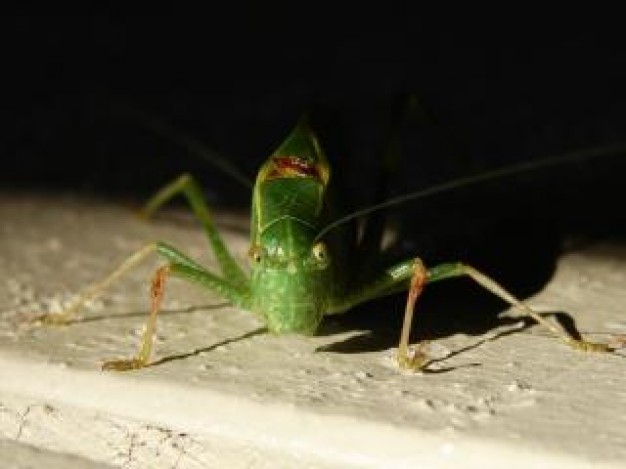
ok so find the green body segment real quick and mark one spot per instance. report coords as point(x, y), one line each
point(291, 271)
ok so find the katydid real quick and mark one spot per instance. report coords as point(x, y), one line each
point(304, 262)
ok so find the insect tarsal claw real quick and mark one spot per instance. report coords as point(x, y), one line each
point(414, 358)
point(49, 319)
point(586, 346)
point(124, 365)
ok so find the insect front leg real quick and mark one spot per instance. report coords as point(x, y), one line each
point(413, 359)
point(411, 273)
point(156, 294)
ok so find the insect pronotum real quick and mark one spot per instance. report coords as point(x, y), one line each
point(305, 263)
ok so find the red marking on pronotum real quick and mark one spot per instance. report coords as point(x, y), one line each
point(292, 166)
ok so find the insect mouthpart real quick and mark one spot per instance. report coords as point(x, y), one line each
point(289, 294)
point(296, 317)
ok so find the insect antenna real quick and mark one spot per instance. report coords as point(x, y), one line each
point(498, 173)
point(184, 139)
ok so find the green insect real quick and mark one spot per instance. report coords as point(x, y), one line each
point(305, 263)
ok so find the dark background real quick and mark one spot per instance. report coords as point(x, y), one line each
point(491, 94)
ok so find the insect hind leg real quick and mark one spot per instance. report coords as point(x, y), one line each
point(187, 186)
point(177, 265)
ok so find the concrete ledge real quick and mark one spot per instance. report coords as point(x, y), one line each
point(21, 456)
point(225, 396)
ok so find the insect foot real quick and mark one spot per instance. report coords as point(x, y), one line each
point(413, 358)
point(586, 346)
point(124, 365)
point(51, 319)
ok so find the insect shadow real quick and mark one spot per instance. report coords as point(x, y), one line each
point(209, 348)
point(142, 313)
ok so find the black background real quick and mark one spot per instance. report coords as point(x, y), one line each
point(492, 94)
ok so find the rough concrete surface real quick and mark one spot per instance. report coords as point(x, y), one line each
point(222, 395)
point(22, 456)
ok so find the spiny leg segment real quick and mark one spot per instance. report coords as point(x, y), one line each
point(405, 359)
point(156, 295)
point(457, 269)
point(186, 185)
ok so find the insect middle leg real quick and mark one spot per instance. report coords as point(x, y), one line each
point(458, 269)
point(413, 271)
point(178, 265)
point(182, 267)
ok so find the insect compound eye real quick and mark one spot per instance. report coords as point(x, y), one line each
point(255, 254)
point(320, 253)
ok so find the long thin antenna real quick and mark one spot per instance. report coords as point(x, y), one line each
point(186, 140)
point(471, 180)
